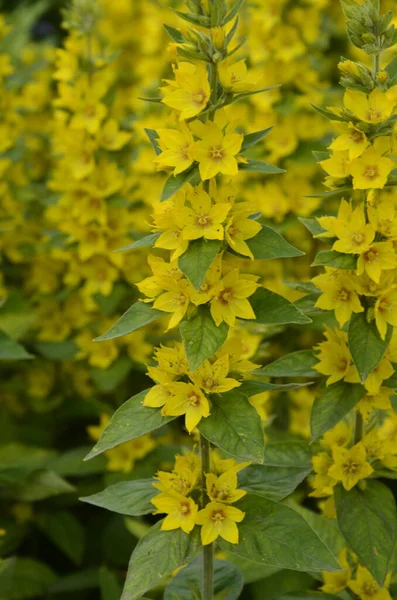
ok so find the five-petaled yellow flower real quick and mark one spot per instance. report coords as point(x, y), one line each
point(219, 520)
point(215, 151)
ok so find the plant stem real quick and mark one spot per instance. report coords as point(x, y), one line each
point(358, 428)
point(208, 551)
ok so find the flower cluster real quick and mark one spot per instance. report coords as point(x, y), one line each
point(180, 492)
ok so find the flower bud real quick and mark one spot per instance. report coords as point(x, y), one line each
point(218, 37)
point(382, 76)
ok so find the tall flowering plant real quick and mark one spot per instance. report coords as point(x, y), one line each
point(201, 289)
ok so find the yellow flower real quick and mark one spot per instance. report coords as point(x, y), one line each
point(224, 487)
point(379, 257)
point(350, 465)
point(190, 91)
point(370, 170)
point(181, 512)
point(340, 435)
point(186, 399)
point(212, 378)
point(215, 152)
point(386, 311)
point(157, 396)
point(204, 219)
point(383, 217)
point(383, 371)
point(334, 583)
point(373, 108)
point(379, 401)
point(236, 78)
point(338, 165)
point(355, 236)
point(174, 300)
point(184, 477)
point(208, 288)
point(219, 520)
point(353, 140)
point(175, 146)
point(339, 294)
point(110, 137)
point(230, 300)
point(366, 588)
point(240, 228)
point(335, 358)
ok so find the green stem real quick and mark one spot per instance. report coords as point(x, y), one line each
point(375, 64)
point(208, 551)
point(214, 94)
point(358, 428)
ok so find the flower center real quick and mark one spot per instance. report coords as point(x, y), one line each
point(358, 238)
point(371, 172)
point(193, 399)
point(217, 517)
point(199, 98)
point(209, 383)
point(180, 299)
point(373, 114)
point(226, 296)
point(343, 295)
point(357, 136)
point(350, 467)
point(370, 589)
point(216, 153)
point(184, 508)
point(204, 220)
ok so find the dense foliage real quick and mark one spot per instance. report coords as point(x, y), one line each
point(178, 289)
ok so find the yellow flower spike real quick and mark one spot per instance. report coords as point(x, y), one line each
point(186, 399)
point(371, 170)
point(181, 512)
point(215, 152)
point(224, 488)
point(366, 588)
point(373, 108)
point(350, 465)
point(219, 520)
point(212, 378)
point(230, 300)
point(190, 92)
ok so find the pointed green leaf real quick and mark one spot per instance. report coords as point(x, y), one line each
point(42, 485)
point(10, 350)
point(328, 114)
point(65, 531)
point(26, 578)
point(201, 337)
point(365, 344)
point(174, 34)
point(130, 421)
point(153, 137)
point(233, 12)
point(109, 584)
point(175, 182)
point(274, 534)
point(268, 244)
point(228, 581)
point(145, 242)
point(335, 402)
point(251, 388)
point(285, 466)
point(336, 260)
point(367, 519)
point(130, 498)
point(156, 556)
point(198, 258)
point(312, 225)
point(337, 193)
point(273, 309)
point(253, 138)
point(137, 316)
point(258, 166)
point(234, 426)
point(296, 364)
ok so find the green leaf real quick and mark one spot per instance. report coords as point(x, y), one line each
point(130, 498)
point(17, 461)
point(65, 531)
point(66, 350)
point(137, 316)
point(27, 578)
point(258, 166)
point(107, 380)
point(198, 258)
point(312, 225)
point(228, 581)
point(285, 466)
point(296, 364)
point(153, 137)
point(268, 244)
point(365, 344)
point(175, 182)
point(71, 463)
point(234, 426)
point(336, 260)
point(109, 585)
point(273, 309)
point(10, 350)
point(274, 534)
point(130, 421)
point(156, 556)
point(233, 12)
point(145, 242)
point(368, 521)
point(307, 596)
point(328, 114)
point(335, 402)
point(253, 138)
point(201, 337)
point(392, 68)
point(86, 579)
point(174, 34)
point(41, 485)
point(337, 193)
